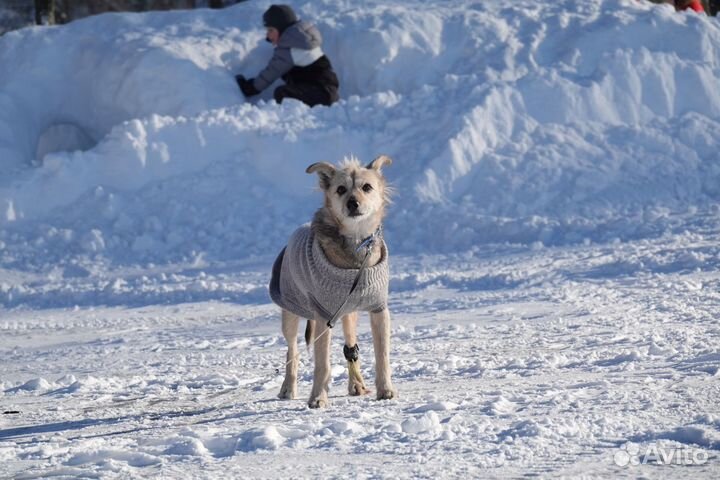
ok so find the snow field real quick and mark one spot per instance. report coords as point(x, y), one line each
point(551, 374)
point(554, 239)
point(523, 124)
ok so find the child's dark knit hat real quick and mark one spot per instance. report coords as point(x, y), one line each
point(280, 17)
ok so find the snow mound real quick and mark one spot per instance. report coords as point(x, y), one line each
point(426, 423)
point(34, 385)
point(124, 135)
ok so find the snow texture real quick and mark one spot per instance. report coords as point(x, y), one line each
point(554, 243)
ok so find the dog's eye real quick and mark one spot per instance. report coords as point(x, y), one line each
point(367, 188)
point(341, 190)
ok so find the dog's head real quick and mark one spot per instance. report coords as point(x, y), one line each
point(354, 194)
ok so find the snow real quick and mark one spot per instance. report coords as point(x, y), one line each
point(554, 238)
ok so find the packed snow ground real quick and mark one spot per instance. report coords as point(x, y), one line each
point(509, 362)
point(554, 242)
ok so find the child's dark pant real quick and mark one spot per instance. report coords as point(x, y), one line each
point(307, 93)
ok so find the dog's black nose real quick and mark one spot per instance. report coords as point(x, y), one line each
point(352, 204)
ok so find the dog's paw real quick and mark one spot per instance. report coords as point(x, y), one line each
point(386, 393)
point(287, 392)
point(356, 389)
point(318, 402)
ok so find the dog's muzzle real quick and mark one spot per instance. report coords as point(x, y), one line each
point(353, 205)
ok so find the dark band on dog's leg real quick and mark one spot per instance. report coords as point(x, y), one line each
point(309, 332)
point(351, 353)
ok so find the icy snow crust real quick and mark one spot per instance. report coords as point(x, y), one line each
point(554, 244)
point(532, 122)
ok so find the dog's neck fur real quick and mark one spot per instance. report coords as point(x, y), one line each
point(340, 245)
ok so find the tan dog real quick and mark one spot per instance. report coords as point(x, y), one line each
point(313, 276)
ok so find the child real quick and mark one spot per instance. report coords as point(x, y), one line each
point(298, 59)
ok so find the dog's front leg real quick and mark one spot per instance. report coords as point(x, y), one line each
point(380, 325)
point(290, 330)
point(356, 385)
point(321, 376)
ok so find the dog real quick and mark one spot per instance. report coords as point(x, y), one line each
point(313, 277)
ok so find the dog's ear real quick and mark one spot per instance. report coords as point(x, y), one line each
point(324, 170)
point(379, 162)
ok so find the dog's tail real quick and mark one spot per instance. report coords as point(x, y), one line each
point(309, 332)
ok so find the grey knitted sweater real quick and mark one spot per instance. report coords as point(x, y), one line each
point(305, 283)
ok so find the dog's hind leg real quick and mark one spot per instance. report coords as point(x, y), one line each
point(356, 384)
point(290, 323)
point(321, 375)
point(380, 325)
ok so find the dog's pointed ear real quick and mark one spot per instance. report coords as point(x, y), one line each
point(379, 162)
point(324, 170)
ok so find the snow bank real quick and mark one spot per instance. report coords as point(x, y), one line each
point(96, 73)
point(125, 136)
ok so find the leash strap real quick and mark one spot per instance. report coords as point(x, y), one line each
point(367, 243)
